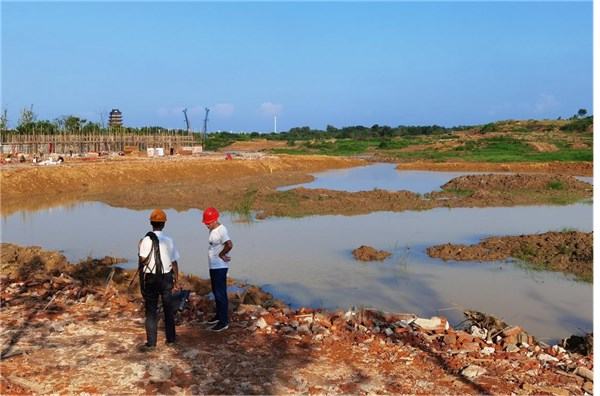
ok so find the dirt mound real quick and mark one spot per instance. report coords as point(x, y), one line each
point(569, 252)
point(255, 145)
point(367, 253)
point(23, 263)
point(565, 168)
point(521, 181)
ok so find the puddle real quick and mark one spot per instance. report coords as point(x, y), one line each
point(308, 261)
point(382, 177)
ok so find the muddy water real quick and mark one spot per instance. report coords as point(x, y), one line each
point(309, 261)
point(382, 177)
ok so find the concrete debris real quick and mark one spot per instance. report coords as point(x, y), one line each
point(473, 371)
point(585, 373)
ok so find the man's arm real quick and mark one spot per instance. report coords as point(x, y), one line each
point(227, 246)
point(175, 274)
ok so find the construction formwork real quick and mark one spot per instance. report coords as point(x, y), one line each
point(83, 143)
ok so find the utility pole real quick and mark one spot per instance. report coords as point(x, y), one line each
point(275, 124)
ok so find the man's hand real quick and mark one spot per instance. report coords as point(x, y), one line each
point(225, 258)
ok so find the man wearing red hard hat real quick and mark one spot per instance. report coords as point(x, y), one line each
point(219, 244)
point(158, 276)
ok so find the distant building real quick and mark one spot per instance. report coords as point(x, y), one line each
point(115, 118)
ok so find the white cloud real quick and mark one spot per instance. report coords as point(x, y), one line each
point(545, 102)
point(224, 110)
point(196, 111)
point(163, 112)
point(270, 109)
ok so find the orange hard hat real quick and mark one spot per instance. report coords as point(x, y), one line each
point(210, 215)
point(158, 216)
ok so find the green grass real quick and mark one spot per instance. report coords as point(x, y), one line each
point(560, 201)
point(556, 185)
point(288, 197)
point(337, 148)
point(499, 149)
point(488, 149)
point(244, 208)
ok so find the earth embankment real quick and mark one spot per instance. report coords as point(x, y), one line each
point(582, 168)
point(196, 181)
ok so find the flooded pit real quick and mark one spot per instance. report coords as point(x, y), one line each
point(308, 261)
point(382, 177)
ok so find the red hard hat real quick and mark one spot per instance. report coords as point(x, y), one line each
point(210, 215)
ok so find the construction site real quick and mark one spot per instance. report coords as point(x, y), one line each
point(82, 144)
point(115, 139)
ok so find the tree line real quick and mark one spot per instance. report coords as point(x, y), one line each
point(28, 123)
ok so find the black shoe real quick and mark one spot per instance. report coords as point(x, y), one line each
point(213, 320)
point(220, 327)
point(146, 348)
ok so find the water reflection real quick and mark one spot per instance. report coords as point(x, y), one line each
point(308, 261)
point(386, 177)
point(380, 176)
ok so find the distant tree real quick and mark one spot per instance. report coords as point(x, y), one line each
point(90, 127)
point(59, 123)
point(581, 113)
point(43, 127)
point(27, 116)
point(74, 124)
point(103, 116)
point(4, 120)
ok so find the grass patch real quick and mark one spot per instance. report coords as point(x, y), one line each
point(556, 185)
point(244, 208)
point(561, 201)
point(567, 230)
point(288, 197)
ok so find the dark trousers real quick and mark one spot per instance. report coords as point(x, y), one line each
point(218, 282)
point(154, 286)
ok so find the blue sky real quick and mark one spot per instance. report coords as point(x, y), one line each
point(307, 63)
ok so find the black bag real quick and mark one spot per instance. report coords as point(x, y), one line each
point(180, 300)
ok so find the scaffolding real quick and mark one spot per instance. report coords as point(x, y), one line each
point(82, 143)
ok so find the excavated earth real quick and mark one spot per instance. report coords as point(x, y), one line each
point(75, 327)
point(570, 252)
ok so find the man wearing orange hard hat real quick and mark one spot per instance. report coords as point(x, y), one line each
point(158, 276)
point(219, 244)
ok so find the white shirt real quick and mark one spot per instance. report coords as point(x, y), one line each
point(216, 240)
point(168, 252)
